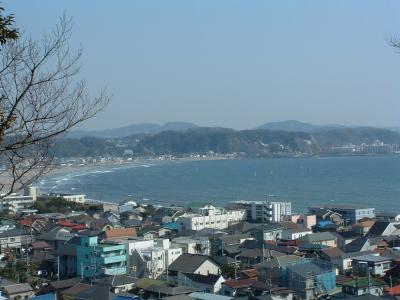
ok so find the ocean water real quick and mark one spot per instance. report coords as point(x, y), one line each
point(370, 181)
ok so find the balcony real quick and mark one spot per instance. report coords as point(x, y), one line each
point(115, 271)
point(112, 259)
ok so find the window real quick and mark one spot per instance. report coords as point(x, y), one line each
point(386, 266)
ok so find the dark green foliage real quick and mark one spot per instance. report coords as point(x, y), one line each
point(59, 205)
point(247, 143)
point(357, 136)
point(228, 271)
point(7, 30)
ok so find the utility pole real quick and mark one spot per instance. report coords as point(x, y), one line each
point(58, 267)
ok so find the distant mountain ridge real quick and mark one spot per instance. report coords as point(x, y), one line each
point(142, 128)
point(297, 126)
point(247, 143)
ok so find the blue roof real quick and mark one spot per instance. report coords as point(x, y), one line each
point(324, 223)
point(121, 297)
point(172, 226)
point(49, 296)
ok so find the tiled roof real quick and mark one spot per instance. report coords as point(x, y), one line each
point(240, 283)
point(120, 233)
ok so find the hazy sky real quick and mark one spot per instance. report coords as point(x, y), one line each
point(233, 63)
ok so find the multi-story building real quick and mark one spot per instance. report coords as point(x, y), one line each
point(350, 214)
point(14, 203)
point(94, 258)
point(211, 217)
point(193, 245)
point(154, 261)
point(268, 211)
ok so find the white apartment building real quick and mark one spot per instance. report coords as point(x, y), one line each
point(211, 217)
point(154, 260)
point(269, 211)
point(193, 245)
point(14, 202)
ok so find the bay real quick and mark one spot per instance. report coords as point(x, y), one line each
point(371, 181)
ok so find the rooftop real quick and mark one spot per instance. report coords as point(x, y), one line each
point(372, 258)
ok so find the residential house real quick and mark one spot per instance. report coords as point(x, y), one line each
point(309, 280)
point(229, 244)
point(322, 238)
point(232, 287)
point(341, 260)
point(15, 239)
point(84, 291)
point(306, 220)
point(267, 232)
point(295, 231)
point(274, 268)
point(194, 264)
point(210, 283)
point(346, 237)
point(376, 265)
point(349, 214)
point(55, 236)
point(363, 285)
point(18, 291)
point(193, 245)
point(56, 287)
point(361, 244)
point(117, 283)
point(363, 226)
point(163, 292)
point(325, 214)
point(384, 228)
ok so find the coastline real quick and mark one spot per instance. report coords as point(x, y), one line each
point(62, 170)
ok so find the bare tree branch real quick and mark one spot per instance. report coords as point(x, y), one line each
point(40, 99)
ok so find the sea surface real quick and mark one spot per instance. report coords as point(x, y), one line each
point(371, 181)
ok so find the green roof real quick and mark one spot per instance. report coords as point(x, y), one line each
point(362, 282)
point(145, 282)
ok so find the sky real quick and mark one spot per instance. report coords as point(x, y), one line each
point(232, 63)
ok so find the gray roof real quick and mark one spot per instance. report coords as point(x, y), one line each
point(378, 228)
point(86, 291)
point(18, 288)
point(206, 296)
point(234, 239)
point(372, 258)
point(355, 254)
point(5, 282)
point(116, 280)
point(188, 263)
point(279, 262)
point(209, 279)
point(66, 283)
point(168, 290)
point(306, 269)
point(357, 244)
point(317, 237)
point(13, 232)
point(56, 233)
